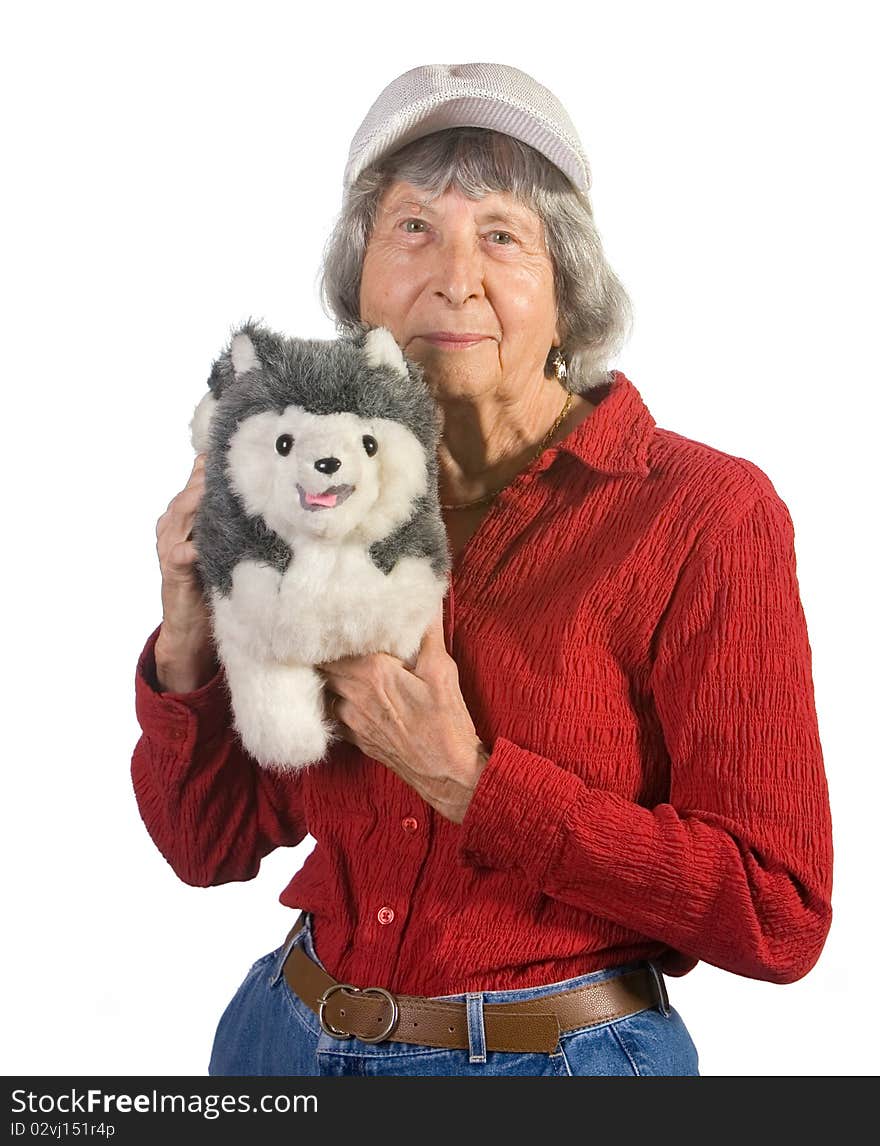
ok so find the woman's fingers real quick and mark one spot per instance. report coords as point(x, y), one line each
point(181, 586)
point(181, 556)
point(185, 656)
point(331, 701)
point(176, 523)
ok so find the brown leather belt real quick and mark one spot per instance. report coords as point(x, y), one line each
point(373, 1014)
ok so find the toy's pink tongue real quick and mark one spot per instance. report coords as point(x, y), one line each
point(321, 499)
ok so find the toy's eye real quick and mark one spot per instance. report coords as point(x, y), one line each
point(370, 445)
point(284, 444)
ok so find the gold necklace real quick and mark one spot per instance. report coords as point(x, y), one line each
point(538, 452)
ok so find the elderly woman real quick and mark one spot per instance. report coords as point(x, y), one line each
point(604, 765)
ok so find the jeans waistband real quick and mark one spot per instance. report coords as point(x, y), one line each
point(305, 937)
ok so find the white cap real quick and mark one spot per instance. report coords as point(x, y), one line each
point(495, 96)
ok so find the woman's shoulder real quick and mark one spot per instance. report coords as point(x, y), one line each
point(717, 489)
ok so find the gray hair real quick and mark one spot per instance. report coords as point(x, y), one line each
point(593, 309)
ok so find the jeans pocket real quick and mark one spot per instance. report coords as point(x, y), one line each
point(657, 1044)
point(260, 1032)
point(594, 1052)
point(295, 1006)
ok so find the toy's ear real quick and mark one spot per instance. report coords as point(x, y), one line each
point(239, 358)
point(380, 349)
point(243, 354)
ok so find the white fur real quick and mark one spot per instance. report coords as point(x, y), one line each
point(385, 485)
point(200, 422)
point(243, 355)
point(276, 707)
point(332, 601)
point(381, 349)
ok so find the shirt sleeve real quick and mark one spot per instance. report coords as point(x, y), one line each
point(209, 808)
point(736, 868)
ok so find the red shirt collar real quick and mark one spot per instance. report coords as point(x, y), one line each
point(614, 439)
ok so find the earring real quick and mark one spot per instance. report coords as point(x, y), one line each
point(559, 367)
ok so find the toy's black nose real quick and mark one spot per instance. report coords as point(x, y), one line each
point(327, 465)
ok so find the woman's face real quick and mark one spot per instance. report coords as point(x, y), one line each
point(458, 266)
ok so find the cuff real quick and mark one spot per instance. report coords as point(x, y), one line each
point(172, 717)
point(517, 813)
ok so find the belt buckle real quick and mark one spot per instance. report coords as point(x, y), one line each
point(330, 1030)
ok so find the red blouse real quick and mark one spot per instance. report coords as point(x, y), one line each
point(631, 645)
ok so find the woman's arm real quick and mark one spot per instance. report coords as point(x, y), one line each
point(210, 809)
point(736, 869)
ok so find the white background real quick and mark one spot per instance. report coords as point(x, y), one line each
point(173, 168)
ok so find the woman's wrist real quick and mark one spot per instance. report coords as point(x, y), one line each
point(461, 788)
point(184, 664)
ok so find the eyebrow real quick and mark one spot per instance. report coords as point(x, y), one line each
point(497, 215)
point(510, 216)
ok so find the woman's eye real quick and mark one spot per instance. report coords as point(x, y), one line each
point(370, 444)
point(504, 235)
point(284, 444)
point(420, 222)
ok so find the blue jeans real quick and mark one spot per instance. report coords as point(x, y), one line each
point(268, 1030)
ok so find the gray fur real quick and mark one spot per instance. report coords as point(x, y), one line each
point(322, 377)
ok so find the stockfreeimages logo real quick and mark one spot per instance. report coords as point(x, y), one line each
point(209, 1105)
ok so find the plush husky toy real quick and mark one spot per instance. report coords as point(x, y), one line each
point(319, 533)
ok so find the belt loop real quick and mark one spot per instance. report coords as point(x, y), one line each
point(288, 947)
point(476, 1029)
point(660, 984)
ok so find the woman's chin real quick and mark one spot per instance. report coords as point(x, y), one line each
point(456, 380)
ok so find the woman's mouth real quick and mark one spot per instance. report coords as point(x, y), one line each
point(451, 341)
point(331, 497)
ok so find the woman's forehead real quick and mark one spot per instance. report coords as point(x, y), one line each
point(494, 206)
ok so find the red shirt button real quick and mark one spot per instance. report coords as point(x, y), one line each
point(410, 824)
point(385, 915)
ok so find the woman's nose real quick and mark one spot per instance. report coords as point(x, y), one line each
point(459, 272)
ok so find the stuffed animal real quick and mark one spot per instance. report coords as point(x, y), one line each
point(319, 534)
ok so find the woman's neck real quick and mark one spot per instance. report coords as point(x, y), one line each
point(486, 442)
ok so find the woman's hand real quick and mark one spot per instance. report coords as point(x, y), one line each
point(185, 654)
point(414, 720)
